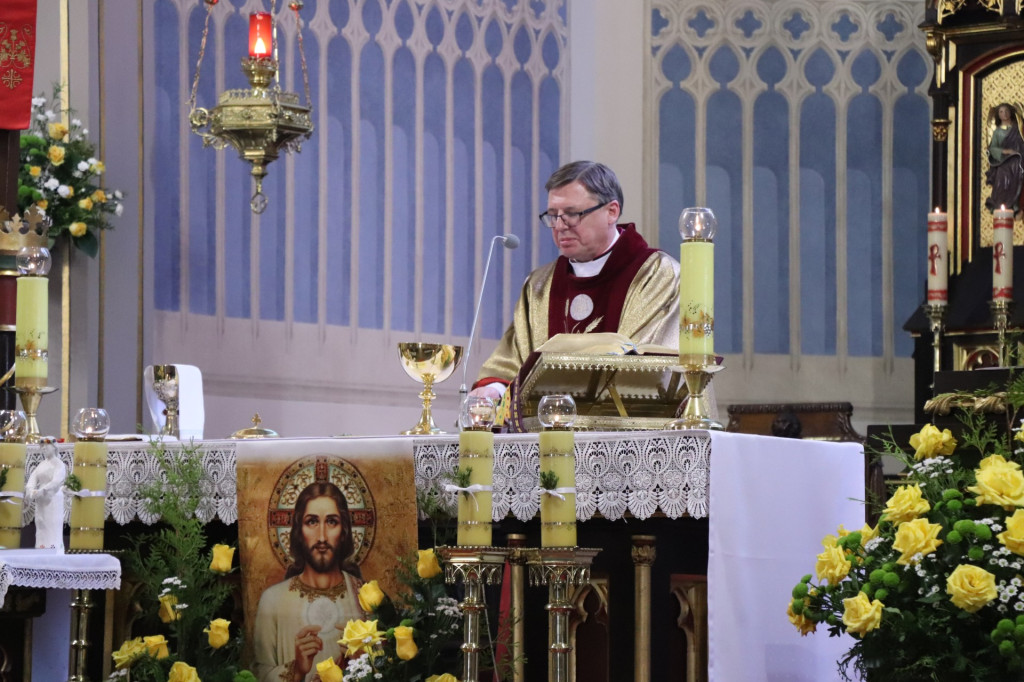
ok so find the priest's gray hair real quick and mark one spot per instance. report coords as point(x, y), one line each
point(596, 178)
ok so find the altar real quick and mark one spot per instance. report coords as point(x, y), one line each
point(766, 502)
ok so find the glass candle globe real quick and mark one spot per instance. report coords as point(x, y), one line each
point(91, 423)
point(557, 411)
point(13, 426)
point(477, 413)
point(33, 261)
point(697, 224)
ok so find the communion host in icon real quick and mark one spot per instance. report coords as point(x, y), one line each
point(300, 619)
point(607, 279)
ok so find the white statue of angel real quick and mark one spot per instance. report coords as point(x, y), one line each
point(45, 488)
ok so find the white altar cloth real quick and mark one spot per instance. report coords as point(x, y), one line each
point(56, 570)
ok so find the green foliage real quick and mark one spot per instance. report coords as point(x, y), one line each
point(922, 635)
point(73, 483)
point(173, 562)
point(548, 480)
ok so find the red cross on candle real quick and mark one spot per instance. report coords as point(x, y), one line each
point(998, 255)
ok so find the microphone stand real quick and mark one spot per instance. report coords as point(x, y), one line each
point(510, 242)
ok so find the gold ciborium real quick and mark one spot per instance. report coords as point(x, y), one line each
point(429, 363)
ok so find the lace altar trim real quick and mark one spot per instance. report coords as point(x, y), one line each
point(62, 579)
point(615, 474)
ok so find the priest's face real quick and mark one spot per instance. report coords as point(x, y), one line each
point(322, 534)
point(594, 232)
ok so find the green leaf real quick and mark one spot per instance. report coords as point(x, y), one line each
point(87, 244)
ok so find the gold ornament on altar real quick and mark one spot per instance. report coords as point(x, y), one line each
point(429, 363)
point(264, 120)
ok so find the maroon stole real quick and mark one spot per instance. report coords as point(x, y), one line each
point(607, 289)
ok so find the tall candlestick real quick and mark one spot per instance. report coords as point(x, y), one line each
point(261, 40)
point(697, 227)
point(31, 333)
point(938, 249)
point(1002, 255)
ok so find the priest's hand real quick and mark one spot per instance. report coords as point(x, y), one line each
point(307, 645)
point(495, 391)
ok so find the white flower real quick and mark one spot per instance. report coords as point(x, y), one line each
point(118, 209)
point(1019, 606)
point(77, 122)
point(83, 165)
point(38, 101)
point(40, 117)
point(50, 116)
point(85, 131)
point(181, 607)
point(64, 191)
point(51, 184)
point(118, 194)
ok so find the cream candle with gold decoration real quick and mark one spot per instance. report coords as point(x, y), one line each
point(13, 432)
point(90, 426)
point(31, 333)
point(12, 460)
point(697, 227)
point(1002, 254)
point(558, 506)
point(476, 455)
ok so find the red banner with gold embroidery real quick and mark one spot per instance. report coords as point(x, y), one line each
point(17, 61)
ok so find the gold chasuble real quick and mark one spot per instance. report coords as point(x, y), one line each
point(647, 313)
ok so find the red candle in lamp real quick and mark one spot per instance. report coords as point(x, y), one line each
point(938, 249)
point(1002, 255)
point(261, 41)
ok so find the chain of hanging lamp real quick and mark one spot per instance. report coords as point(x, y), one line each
point(259, 122)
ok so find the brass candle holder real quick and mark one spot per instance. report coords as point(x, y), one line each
point(1001, 309)
point(475, 567)
point(697, 372)
point(559, 568)
point(30, 398)
point(936, 314)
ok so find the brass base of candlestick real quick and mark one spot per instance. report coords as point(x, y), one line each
point(1001, 310)
point(30, 397)
point(697, 371)
point(559, 568)
point(936, 314)
point(81, 604)
point(474, 566)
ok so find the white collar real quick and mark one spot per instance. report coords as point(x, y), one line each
point(592, 268)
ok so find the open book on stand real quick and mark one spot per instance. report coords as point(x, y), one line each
point(616, 384)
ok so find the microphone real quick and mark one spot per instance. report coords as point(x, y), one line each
point(509, 241)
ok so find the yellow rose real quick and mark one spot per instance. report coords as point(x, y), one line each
point(131, 650)
point(218, 632)
point(916, 537)
point(804, 624)
point(970, 587)
point(405, 646)
point(182, 672)
point(360, 637)
point(55, 154)
point(426, 564)
point(370, 596)
point(998, 482)
point(867, 533)
point(222, 557)
point(1013, 536)
point(329, 671)
point(447, 677)
point(85, 204)
point(1019, 436)
point(77, 229)
point(905, 504)
point(35, 171)
point(99, 196)
point(58, 131)
point(98, 168)
point(43, 204)
point(861, 616)
point(156, 645)
point(167, 611)
point(832, 565)
point(930, 442)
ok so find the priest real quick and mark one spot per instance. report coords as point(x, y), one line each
point(607, 279)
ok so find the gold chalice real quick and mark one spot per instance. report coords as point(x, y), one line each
point(429, 363)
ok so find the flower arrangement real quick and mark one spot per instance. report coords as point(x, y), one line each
point(409, 638)
point(936, 590)
point(59, 173)
point(184, 595)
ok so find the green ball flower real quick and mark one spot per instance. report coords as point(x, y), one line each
point(881, 593)
point(800, 591)
point(970, 502)
point(1006, 648)
point(952, 494)
point(964, 526)
point(954, 537)
point(877, 576)
point(1018, 633)
point(1005, 625)
point(982, 531)
point(954, 505)
point(798, 606)
point(832, 619)
point(976, 554)
point(806, 578)
point(892, 579)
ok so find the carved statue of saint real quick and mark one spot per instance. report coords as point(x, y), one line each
point(1006, 159)
point(45, 487)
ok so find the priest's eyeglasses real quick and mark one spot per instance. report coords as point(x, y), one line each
point(568, 218)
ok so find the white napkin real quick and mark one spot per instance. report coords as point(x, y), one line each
point(191, 414)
